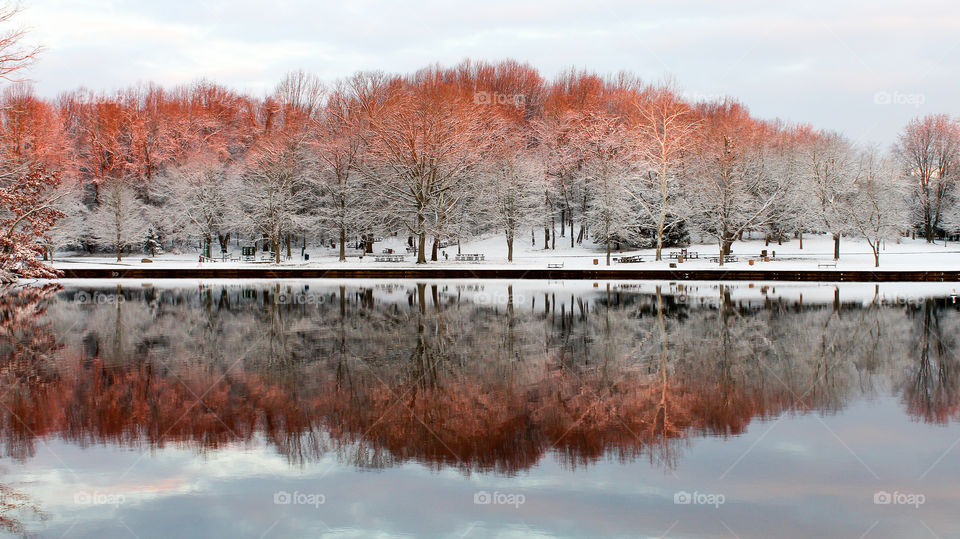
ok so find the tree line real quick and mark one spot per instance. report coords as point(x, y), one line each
point(442, 155)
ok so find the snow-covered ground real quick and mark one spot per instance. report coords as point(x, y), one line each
point(855, 254)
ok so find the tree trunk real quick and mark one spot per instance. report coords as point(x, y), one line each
point(553, 234)
point(801, 240)
point(435, 248)
point(421, 250)
point(275, 243)
point(509, 245)
point(660, 240)
point(343, 244)
point(836, 246)
point(725, 245)
point(421, 238)
point(224, 240)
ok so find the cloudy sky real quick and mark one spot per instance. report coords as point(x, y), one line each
point(863, 68)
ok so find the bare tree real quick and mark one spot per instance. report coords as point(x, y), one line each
point(831, 168)
point(730, 189)
point(424, 138)
point(204, 198)
point(929, 150)
point(511, 189)
point(606, 166)
point(119, 221)
point(14, 55)
point(875, 208)
point(664, 138)
point(273, 184)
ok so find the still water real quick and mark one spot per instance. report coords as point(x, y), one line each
point(478, 409)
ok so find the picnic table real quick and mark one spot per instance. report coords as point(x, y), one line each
point(469, 257)
point(687, 255)
point(727, 258)
point(554, 265)
point(630, 259)
point(389, 258)
point(831, 264)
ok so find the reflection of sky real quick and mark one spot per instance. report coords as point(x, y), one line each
point(800, 476)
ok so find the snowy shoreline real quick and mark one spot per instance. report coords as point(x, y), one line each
point(587, 261)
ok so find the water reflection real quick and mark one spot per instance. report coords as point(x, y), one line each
point(475, 377)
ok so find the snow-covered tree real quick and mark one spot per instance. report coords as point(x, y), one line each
point(204, 199)
point(830, 172)
point(274, 186)
point(425, 136)
point(511, 191)
point(664, 137)
point(119, 221)
point(929, 154)
point(729, 188)
point(875, 208)
point(343, 205)
point(612, 215)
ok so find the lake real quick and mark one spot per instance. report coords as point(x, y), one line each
point(479, 408)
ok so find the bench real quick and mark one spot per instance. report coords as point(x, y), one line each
point(727, 258)
point(555, 265)
point(469, 257)
point(832, 264)
point(689, 255)
point(389, 258)
point(629, 259)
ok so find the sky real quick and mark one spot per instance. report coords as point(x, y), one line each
point(861, 68)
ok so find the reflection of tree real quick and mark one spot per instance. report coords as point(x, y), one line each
point(931, 387)
point(419, 372)
point(27, 374)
